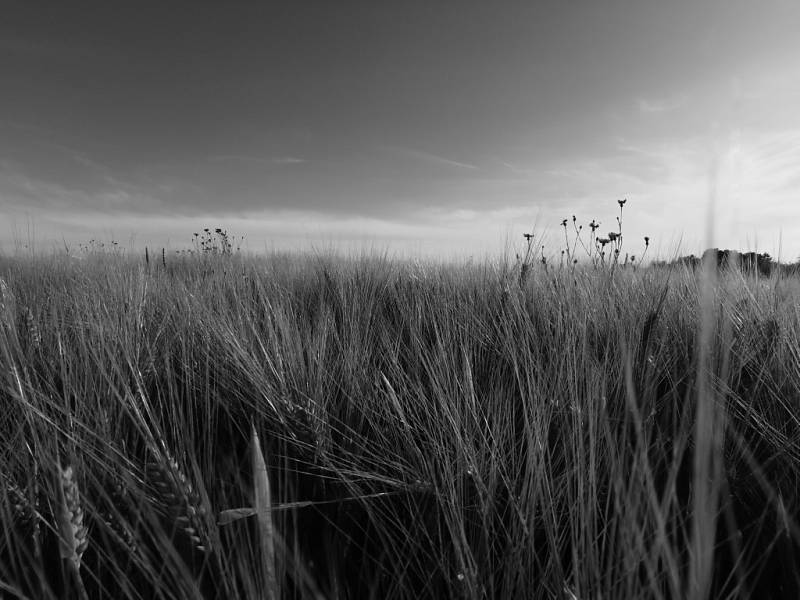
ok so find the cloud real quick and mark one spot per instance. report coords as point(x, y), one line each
point(258, 160)
point(768, 162)
point(430, 158)
point(81, 158)
point(517, 170)
point(751, 175)
point(661, 105)
point(21, 192)
point(77, 185)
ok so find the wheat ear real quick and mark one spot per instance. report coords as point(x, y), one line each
point(74, 534)
point(23, 510)
point(35, 335)
point(183, 502)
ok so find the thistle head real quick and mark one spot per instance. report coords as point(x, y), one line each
point(646, 240)
point(622, 202)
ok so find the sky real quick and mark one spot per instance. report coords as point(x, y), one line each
point(413, 126)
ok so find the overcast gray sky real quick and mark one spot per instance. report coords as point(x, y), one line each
point(422, 126)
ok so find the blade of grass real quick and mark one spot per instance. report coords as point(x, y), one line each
point(263, 507)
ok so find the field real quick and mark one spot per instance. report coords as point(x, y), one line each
point(429, 430)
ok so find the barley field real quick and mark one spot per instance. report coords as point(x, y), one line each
point(314, 426)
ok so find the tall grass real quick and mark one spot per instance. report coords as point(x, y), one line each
point(430, 430)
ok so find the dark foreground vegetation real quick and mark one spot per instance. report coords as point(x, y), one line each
point(430, 431)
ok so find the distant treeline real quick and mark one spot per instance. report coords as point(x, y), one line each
point(747, 262)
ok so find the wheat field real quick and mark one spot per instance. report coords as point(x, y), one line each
point(427, 430)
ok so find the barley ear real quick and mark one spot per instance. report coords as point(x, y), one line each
point(263, 508)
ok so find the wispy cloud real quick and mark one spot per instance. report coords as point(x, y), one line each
point(40, 175)
point(765, 169)
point(288, 160)
point(7, 124)
point(661, 105)
point(22, 191)
point(517, 170)
point(430, 158)
point(80, 157)
point(257, 160)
